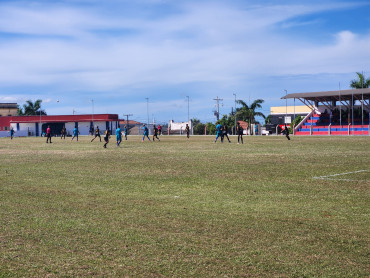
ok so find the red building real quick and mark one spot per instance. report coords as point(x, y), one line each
point(35, 125)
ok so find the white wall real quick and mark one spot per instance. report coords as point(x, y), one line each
point(26, 129)
point(5, 133)
point(179, 125)
point(84, 127)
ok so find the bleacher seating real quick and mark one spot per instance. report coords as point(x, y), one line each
point(320, 124)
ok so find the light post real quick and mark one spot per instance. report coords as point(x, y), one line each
point(286, 106)
point(92, 102)
point(235, 115)
point(188, 108)
point(147, 109)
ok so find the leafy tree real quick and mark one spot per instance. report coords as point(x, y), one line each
point(296, 121)
point(361, 82)
point(195, 121)
point(268, 119)
point(249, 113)
point(228, 121)
point(31, 108)
point(211, 128)
point(199, 129)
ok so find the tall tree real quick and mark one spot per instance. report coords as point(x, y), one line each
point(360, 82)
point(249, 113)
point(31, 108)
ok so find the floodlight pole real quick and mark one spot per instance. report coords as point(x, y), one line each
point(235, 114)
point(286, 106)
point(340, 110)
point(188, 108)
point(147, 109)
point(92, 102)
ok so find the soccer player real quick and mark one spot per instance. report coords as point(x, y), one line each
point(286, 132)
point(97, 134)
point(75, 133)
point(160, 129)
point(239, 130)
point(146, 133)
point(125, 132)
point(12, 133)
point(118, 136)
point(187, 130)
point(218, 128)
point(48, 135)
point(106, 137)
point(155, 135)
point(224, 133)
point(63, 133)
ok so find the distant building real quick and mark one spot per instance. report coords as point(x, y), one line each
point(133, 127)
point(287, 114)
point(8, 109)
point(35, 125)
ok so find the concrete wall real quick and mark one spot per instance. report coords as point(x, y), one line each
point(84, 127)
point(29, 129)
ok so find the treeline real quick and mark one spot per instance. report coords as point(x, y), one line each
point(247, 113)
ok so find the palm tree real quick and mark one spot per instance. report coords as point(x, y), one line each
point(249, 113)
point(361, 82)
point(31, 108)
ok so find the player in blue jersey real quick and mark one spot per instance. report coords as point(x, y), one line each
point(146, 133)
point(219, 131)
point(12, 133)
point(118, 136)
point(75, 133)
point(126, 131)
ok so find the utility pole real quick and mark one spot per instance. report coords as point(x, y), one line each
point(218, 107)
point(127, 115)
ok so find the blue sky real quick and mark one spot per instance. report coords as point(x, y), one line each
point(118, 53)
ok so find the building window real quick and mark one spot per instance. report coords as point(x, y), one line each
point(5, 128)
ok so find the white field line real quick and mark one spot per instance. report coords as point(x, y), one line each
point(328, 177)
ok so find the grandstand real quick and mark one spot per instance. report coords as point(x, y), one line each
point(334, 112)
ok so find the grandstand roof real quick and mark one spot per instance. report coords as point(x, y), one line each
point(332, 95)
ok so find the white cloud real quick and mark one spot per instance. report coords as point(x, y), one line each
point(72, 49)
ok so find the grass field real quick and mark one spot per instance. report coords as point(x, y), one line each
point(185, 208)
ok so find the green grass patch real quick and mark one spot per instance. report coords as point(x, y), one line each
point(185, 208)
